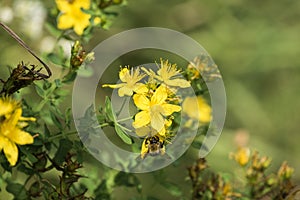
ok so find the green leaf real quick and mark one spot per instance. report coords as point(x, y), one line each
point(121, 133)
point(28, 154)
point(25, 170)
point(64, 147)
point(17, 190)
point(39, 90)
point(70, 77)
point(56, 121)
point(52, 30)
point(56, 59)
point(109, 110)
point(68, 118)
point(172, 189)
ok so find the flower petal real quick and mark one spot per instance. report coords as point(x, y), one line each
point(82, 3)
point(65, 21)
point(2, 142)
point(79, 26)
point(178, 83)
point(141, 101)
point(143, 131)
point(20, 137)
point(140, 88)
point(157, 121)
point(63, 5)
point(113, 86)
point(11, 152)
point(159, 96)
point(14, 118)
point(141, 119)
point(125, 90)
point(170, 108)
point(123, 74)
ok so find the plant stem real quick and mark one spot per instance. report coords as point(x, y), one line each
point(61, 135)
point(124, 119)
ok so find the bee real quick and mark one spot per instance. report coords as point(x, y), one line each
point(153, 146)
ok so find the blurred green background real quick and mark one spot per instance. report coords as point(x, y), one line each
point(256, 45)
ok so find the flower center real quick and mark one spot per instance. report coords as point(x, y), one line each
point(156, 109)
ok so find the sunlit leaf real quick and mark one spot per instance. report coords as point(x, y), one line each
point(121, 133)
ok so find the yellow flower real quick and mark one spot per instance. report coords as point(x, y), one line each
point(154, 110)
point(10, 130)
point(149, 131)
point(7, 106)
point(130, 79)
point(202, 113)
point(72, 15)
point(169, 75)
point(242, 156)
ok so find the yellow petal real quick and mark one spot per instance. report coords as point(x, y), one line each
point(143, 131)
point(124, 72)
point(2, 142)
point(125, 90)
point(140, 88)
point(162, 132)
point(141, 119)
point(11, 152)
point(63, 5)
point(65, 21)
point(79, 26)
point(141, 101)
point(5, 108)
point(178, 83)
point(157, 121)
point(113, 86)
point(170, 108)
point(82, 3)
point(201, 111)
point(14, 118)
point(20, 137)
point(159, 96)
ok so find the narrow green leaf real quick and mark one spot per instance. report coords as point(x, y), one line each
point(56, 121)
point(70, 77)
point(68, 118)
point(39, 90)
point(109, 110)
point(121, 133)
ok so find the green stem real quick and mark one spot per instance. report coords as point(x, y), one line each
point(62, 135)
point(40, 105)
point(125, 119)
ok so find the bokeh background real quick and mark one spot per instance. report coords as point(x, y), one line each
point(256, 45)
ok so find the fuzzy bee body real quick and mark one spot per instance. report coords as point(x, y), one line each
point(153, 146)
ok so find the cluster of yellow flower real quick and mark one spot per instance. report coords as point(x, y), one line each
point(156, 100)
point(72, 15)
point(11, 133)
